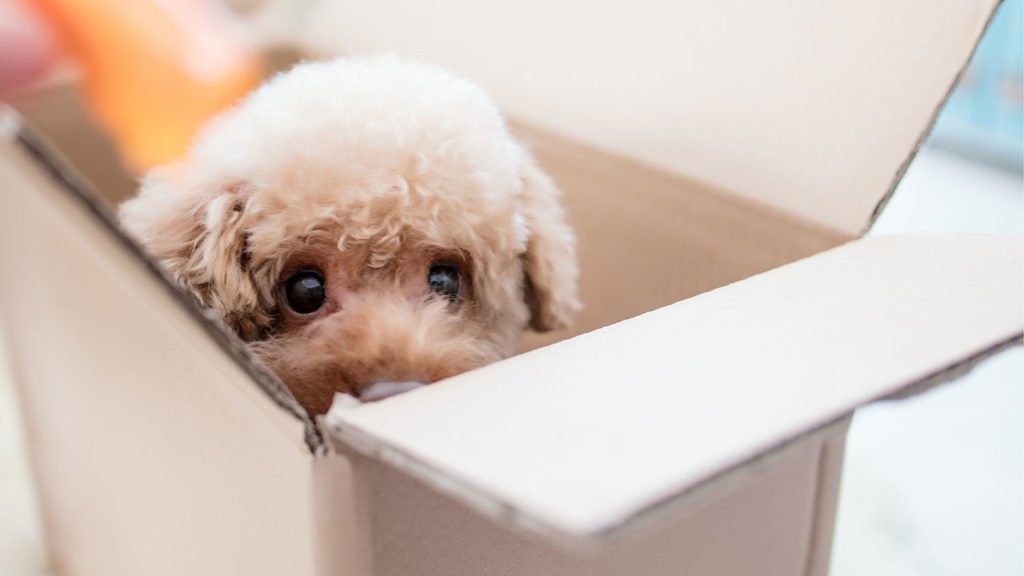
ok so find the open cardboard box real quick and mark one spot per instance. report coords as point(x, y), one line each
point(702, 436)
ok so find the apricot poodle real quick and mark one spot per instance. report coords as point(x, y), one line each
point(366, 225)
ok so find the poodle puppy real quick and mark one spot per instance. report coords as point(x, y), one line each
point(366, 225)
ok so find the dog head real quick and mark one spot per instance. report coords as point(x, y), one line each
point(360, 222)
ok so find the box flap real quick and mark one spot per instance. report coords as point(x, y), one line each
point(153, 438)
point(813, 107)
point(37, 181)
point(584, 437)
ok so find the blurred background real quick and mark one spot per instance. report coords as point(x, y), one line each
point(932, 485)
point(982, 120)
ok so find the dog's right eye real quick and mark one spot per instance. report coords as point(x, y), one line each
point(305, 291)
point(444, 281)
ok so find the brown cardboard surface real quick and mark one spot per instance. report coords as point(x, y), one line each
point(155, 452)
point(580, 437)
point(60, 113)
point(812, 107)
point(762, 522)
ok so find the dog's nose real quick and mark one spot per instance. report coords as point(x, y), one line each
point(386, 389)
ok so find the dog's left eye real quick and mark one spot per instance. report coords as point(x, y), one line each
point(305, 291)
point(444, 281)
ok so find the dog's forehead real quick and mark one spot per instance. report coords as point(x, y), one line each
point(466, 215)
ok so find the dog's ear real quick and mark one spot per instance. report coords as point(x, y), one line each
point(550, 260)
point(197, 235)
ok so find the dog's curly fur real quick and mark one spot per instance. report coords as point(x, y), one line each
point(369, 171)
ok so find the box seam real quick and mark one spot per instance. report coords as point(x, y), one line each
point(818, 520)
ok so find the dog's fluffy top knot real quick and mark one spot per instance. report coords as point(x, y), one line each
point(367, 112)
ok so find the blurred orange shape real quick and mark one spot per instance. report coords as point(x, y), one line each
point(155, 70)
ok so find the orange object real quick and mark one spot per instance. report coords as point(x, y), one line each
point(154, 70)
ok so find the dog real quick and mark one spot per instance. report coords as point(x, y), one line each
point(366, 225)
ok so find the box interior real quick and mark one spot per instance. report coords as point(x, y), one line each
point(646, 238)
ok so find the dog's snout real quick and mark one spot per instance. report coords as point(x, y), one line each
point(386, 388)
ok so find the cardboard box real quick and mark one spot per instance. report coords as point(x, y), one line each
point(718, 210)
